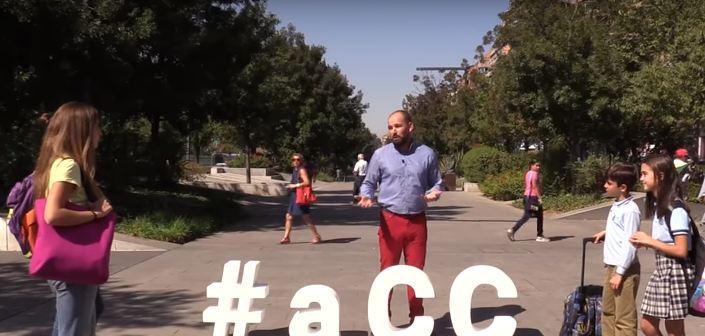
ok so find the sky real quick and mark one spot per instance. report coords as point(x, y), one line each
point(378, 44)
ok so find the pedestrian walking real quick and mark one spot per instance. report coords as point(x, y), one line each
point(299, 179)
point(359, 171)
point(532, 203)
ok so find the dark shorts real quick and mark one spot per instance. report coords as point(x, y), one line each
point(295, 209)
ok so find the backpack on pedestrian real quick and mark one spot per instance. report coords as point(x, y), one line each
point(696, 256)
point(22, 221)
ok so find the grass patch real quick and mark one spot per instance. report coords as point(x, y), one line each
point(324, 177)
point(164, 227)
point(179, 214)
point(565, 202)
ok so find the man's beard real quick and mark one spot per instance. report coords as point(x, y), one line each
point(401, 141)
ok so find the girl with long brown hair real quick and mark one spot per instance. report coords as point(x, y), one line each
point(65, 174)
point(667, 294)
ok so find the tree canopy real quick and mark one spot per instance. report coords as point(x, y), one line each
point(592, 77)
point(160, 72)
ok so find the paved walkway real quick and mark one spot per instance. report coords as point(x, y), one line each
point(163, 293)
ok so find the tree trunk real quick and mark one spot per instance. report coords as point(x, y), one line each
point(154, 152)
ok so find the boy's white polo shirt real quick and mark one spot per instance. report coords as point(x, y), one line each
point(622, 222)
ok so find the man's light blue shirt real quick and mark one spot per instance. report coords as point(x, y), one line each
point(403, 179)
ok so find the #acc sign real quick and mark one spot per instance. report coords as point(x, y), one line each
point(226, 313)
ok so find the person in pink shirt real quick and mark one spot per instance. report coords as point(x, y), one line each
point(532, 203)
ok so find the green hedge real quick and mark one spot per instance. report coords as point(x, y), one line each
point(565, 202)
point(480, 162)
point(165, 227)
point(504, 186)
point(255, 162)
point(589, 176)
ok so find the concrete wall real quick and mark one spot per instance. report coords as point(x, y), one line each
point(7, 239)
point(242, 171)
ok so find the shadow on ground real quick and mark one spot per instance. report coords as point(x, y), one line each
point(125, 307)
point(20, 292)
point(483, 316)
point(334, 207)
point(442, 326)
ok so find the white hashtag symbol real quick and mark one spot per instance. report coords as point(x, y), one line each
point(230, 289)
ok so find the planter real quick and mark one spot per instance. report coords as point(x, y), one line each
point(471, 187)
point(449, 181)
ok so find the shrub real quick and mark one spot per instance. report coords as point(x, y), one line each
point(478, 163)
point(568, 202)
point(518, 161)
point(177, 214)
point(589, 176)
point(565, 202)
point(255, 162)
point(324, 176)
point(164, 227)
point(505, 186)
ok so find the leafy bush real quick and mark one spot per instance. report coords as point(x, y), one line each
point(505, 186)
point(193, 168)
point(554, 172)
point(255, 162)
point(324, 176)
point(568, 202)
point(589, 176)
point(480, 162)
point(518, 161)
point(177, 214)
point(565, 202)
point(165, 227)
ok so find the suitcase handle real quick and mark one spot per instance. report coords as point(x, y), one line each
point(586, 240)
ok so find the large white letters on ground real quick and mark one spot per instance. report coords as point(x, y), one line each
point(461, 296)
point(328, 315)
point(230, 289)
point(225, 314)
point(378, 304)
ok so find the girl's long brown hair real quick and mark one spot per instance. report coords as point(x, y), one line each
point(72, 132)
point(668, 187)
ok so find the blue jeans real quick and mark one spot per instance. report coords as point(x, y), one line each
point(75, 309)
point(528, 202)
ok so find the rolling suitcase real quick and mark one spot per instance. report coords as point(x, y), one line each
point(582, 310)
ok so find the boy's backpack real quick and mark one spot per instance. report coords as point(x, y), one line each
point(696, 256)
point(22, 221)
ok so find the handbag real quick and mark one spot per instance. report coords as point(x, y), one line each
point(76, 254)
point(305, 195)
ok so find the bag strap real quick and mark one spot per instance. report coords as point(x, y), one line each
point(695, 232)
point(88, 187)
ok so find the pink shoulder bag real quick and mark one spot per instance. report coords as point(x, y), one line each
point(76, 254)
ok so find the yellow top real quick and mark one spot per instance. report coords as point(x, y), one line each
point(66, 169)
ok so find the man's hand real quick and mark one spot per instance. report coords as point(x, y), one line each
point(616, 281)
point(599, 237)
point(365, 202)
point(433, 196)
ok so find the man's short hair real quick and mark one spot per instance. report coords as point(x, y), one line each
point(623, 174)
point(407, 115)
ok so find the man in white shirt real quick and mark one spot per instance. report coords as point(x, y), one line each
point(360, 171)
